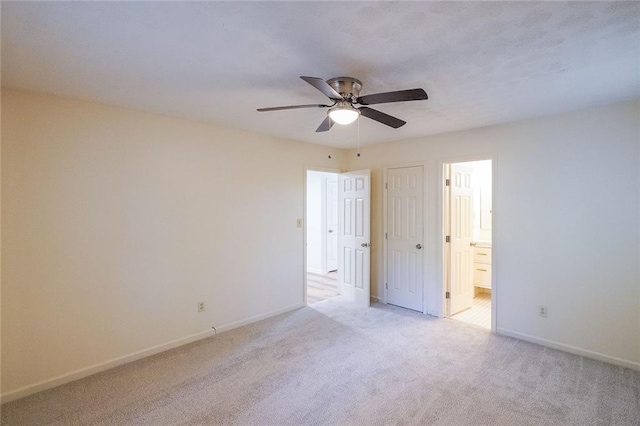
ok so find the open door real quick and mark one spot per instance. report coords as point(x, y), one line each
point(461, 237)
point(354, 257)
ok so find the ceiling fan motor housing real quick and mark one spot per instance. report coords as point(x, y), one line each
point(344, 92)
point(348, 87)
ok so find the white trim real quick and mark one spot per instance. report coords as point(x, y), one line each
point(384, 239)
point(260, 317)
point(570, 349)
point(125, 359)
point(97, 368)
point(442, 256)
point(322, 170)
point(425, 221)
point(323, 223)
point(495, 243)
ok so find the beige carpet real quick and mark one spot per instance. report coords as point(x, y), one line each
point(336, 364)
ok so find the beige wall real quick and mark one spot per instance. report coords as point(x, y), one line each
point(116, 223)
point(567, 224)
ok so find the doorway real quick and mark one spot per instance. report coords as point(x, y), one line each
point(351, 221)
point(468, 220)
point(322, 236)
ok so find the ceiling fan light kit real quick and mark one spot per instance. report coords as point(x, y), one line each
point(345, 92)
point(344, 113)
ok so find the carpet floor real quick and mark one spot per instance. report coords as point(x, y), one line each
point(336, 364)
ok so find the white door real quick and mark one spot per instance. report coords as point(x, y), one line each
point(332, 224)
point(405, 233)
point(354, 236)
point(461, 235)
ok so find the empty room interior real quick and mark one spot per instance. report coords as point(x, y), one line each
point(336, 213)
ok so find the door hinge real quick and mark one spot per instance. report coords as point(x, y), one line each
point(447, 239)
point(386, 185)
point(386, 286)
point(447, 182)
point(447, 295)
point(386, 236)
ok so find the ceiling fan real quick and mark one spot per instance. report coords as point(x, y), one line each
point(345, 92)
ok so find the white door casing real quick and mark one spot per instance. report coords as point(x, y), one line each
point(461, 236)
point(354, 255)
point(332, 225)
point(405, 237)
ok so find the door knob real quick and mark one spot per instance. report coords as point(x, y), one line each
point(418, 246)
point(365, 245)
point(330, 231)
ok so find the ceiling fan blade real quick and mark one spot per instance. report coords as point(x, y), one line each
point(397, 96)
point(382, 117)
point(292, 107)
point(322, 86)
point(325, 125)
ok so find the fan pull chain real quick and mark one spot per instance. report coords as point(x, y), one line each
point(358, 154)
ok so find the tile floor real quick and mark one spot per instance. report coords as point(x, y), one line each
point(479, 313)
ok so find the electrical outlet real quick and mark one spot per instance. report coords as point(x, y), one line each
point(200, 306)
point(299, 223)
point(542, 311)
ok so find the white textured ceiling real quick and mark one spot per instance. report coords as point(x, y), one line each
point(481, 63)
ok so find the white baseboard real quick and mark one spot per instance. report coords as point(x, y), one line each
point(314, 271)
point(97, 368)
point(260, 317)
point(571, 349)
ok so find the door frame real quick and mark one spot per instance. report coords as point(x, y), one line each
point(304, 222)
point(325, 222)
point(385, 216)
point(442, 260)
